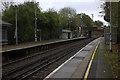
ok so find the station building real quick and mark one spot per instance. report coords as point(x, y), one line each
point(3, 30)
point(66, 34)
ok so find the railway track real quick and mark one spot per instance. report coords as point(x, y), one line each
point(41, 61)
point(27, 60)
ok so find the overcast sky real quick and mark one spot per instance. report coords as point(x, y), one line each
point(81, 6)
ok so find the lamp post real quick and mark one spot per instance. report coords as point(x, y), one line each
point(16, 35)
point(110, 30)
point(35, 26)
point(92, 16)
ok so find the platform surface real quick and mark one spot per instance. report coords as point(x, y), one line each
point(99, 68)
point(32, 44)
point(75, 66)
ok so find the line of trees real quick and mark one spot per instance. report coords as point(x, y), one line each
point(115, 16)
point(50, 22)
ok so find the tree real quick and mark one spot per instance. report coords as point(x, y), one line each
point(25, 21)
point(87, 20)
point(98, 23)
point(115, 15)
point(80, 21)
point(50, 22)
point(66, 17)
point(114, 12)
point(51, 28)
point(6, 4)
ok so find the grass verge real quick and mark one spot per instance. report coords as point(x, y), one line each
point(96, 55)
point(112, 61)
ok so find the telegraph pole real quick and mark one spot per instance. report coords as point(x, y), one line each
point(110, 29)
point(35, 26)
point(16, 36)
point(92, 16)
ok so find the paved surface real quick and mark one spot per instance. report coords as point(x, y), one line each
point(75, 67)
point(99, 68)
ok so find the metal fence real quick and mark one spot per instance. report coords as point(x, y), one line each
point(107, 35)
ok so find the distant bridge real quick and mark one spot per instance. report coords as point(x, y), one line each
point(92, 31)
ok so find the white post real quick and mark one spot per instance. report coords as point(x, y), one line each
point(40, 35)
point(110, 29)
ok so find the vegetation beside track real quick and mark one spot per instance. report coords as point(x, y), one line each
point(49, 23)
point(112, 60)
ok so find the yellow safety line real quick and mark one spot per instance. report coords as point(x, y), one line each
point(87, 72)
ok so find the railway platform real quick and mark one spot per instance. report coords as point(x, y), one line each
point(32, 44)
point(27, 44)
point(79, 65)
point(73, 60)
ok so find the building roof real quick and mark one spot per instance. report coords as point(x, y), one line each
point(3, 23)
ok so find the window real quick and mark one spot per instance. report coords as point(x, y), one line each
point(4, 35)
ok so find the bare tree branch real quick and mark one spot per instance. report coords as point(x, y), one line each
point(6, 4)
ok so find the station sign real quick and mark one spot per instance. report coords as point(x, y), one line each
point(100, 28)
point(75, 30)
